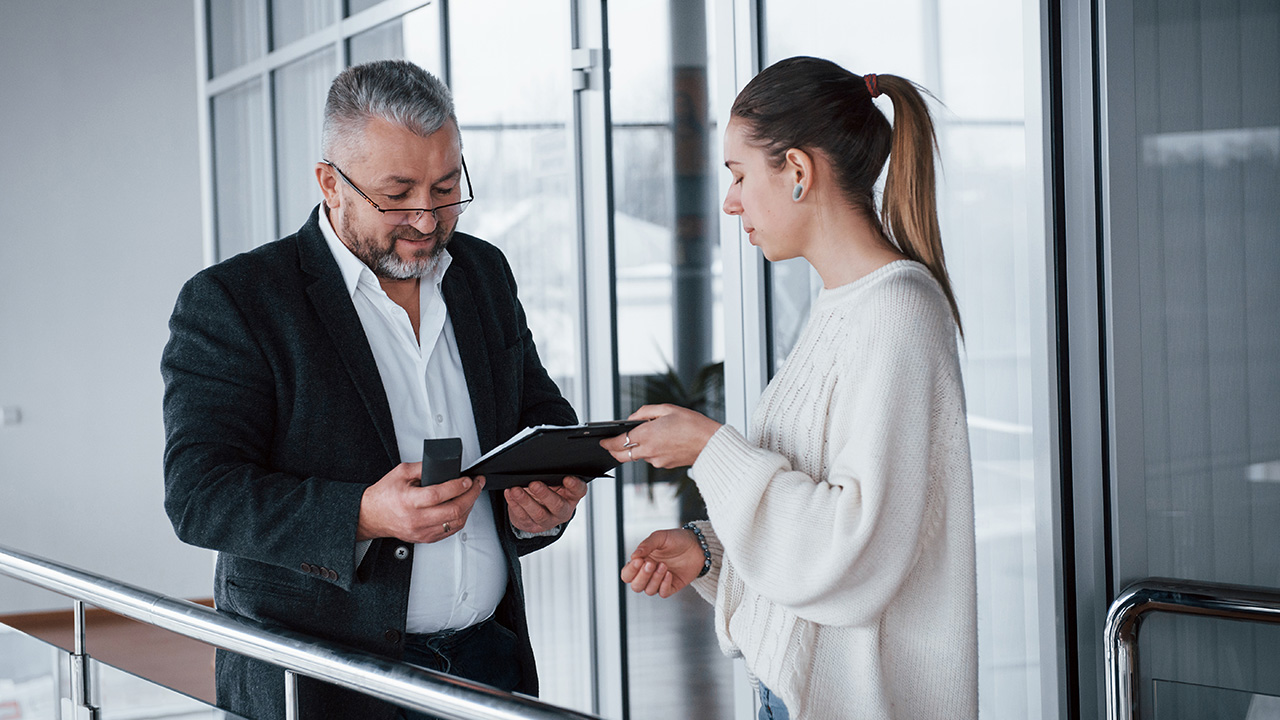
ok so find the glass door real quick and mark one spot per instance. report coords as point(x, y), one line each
point(666, 149)
point(980, 61)
point(1191, 159)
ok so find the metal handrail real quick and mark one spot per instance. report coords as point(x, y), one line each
point(1217, 600)
point(405, 685)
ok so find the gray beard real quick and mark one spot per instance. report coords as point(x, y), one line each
point(385, 263)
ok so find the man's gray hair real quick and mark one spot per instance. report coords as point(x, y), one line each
point(393, 90)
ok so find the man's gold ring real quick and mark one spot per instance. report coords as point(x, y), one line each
point(446, 528)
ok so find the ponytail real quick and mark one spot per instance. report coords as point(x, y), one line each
point(814, 104)
point(909, 208)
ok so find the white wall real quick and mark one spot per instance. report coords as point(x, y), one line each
point(99, 227)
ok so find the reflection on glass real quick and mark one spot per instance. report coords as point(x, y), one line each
point(666, 147)
point(295, 19)
point(1185, 701)
point(982, 205)
point(414, 36)
point(300, 90)
point(237, 33)
point(1200, 334)
point(123, 694)
point(513, 116)
point(239, 170)
point(28, 682)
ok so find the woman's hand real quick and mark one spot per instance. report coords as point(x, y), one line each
point(672, 437)
point(664, 563)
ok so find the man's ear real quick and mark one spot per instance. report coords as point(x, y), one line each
point(328, 179)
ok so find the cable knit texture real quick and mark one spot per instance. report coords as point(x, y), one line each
point(841, 528)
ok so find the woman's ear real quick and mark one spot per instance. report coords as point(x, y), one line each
point(798, 166)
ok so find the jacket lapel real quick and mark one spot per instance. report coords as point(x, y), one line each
point(328, 295)
point(469, 331)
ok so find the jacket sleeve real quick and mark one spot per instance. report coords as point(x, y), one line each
point(220, 415)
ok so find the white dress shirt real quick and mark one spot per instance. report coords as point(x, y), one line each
point(460, 580)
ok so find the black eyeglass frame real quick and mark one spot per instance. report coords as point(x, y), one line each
point(461, 204)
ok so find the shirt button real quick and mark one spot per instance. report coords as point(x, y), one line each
point(464, 595)
point(464, 537)
point(439, 418)
point(402, 552)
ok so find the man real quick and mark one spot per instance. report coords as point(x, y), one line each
point(300, 381)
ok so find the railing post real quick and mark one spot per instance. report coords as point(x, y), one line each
point(1179, 597)
point(81, 686)
point(378, 677)
point(290, 695)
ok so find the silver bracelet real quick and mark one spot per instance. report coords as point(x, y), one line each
point(706, 551)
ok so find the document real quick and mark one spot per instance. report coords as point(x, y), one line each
point(547, 453)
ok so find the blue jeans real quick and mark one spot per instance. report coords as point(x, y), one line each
point(771, 707)
point(486, 652)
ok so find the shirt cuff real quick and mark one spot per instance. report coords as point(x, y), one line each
point(362, 547)
point(545, 533)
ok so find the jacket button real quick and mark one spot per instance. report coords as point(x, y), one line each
point(333, 575)
point(392, 636)
point(402, 552)
point(306, 567)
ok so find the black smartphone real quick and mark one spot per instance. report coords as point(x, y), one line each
point(441, 460)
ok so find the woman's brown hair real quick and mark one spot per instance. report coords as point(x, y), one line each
point(815, 105)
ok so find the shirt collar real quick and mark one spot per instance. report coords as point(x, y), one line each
point(353, 268)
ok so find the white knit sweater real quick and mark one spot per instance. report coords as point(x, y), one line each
point(842, 529)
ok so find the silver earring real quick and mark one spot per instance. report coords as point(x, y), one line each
point(797, 192)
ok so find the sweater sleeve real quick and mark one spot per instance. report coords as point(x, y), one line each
point(836, 550)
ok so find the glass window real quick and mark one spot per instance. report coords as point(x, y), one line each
point(666, 148)
point(295, 19)
point(1194, 164)
point(414, 36)
point(355, 6)
point(300, 91)
point(237, 33)
point(513, 116)
point(241, 193)
point(971, 58)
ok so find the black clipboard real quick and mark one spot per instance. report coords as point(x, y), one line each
point(547, 453)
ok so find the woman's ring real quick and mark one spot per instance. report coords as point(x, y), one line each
point(628, 445)
point(629, 455)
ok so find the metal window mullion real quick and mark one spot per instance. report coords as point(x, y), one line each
point(1043, 214)
point(594, 185)
point(746, 369)
point(738, 49)
point(204, 131)
point(339, 41)
point(269, 157)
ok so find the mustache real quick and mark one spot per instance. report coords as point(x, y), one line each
point(412, 234)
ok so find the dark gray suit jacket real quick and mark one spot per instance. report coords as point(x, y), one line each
point(275, 423)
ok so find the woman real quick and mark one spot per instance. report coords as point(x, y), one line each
point(839, 553)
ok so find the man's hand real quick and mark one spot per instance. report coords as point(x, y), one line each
point(538, 508)
point(396, 506)
point(664, 563)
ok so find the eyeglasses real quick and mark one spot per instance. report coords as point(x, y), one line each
point(409, 216)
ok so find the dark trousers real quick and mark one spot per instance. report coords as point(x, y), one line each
point(485, 652)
